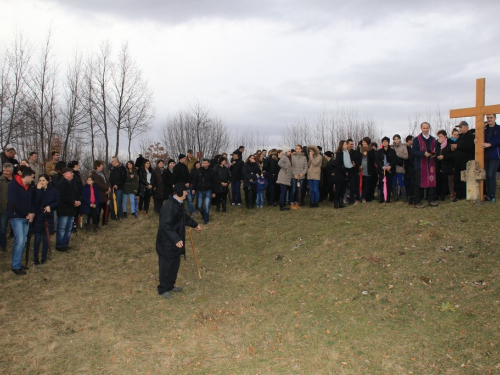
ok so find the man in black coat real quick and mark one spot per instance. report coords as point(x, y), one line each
point(170, 240)
point(66, 209)
point(463, 151)
point(182, 175)
point(117, 178)
point(236, 169)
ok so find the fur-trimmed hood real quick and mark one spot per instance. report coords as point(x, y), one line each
point(313, 148)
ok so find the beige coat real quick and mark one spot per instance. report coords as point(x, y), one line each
point(402, 153)
point(299, 165)
point(314, 171)
point(285, 175)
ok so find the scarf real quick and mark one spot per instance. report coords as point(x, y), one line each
point(102, 176)
point(444, 143)
point(347, 159)
point(427, 166)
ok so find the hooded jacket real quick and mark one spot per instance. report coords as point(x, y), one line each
point(285, 174)
point(315, 162)
point(20, 199)
point(299, 165)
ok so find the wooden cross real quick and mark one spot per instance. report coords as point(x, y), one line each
point(480, 110)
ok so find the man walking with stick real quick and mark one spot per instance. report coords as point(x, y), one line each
point(170, 240)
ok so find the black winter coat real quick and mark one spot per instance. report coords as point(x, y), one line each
point(118, 176)
point(77, 183)
point(221, 174)
point(446, 165)
point(158, 192)
point(340, 174)
point(204, 180)
point(172, 229)
point(20, 201)
point(143, 181)
point(44, 198)
point(181, 173)
point(250, 172)
point(168, 183)
point(465, 146)
point(85, 207)
point(67, 198)
point(236, 170)
point(372, 169)
point(391, 158)
point(272, 168)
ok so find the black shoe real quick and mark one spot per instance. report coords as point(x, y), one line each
point(68, 248)
point(36, 262)
point(19, 272)
point(61, 248)
point(43, 261)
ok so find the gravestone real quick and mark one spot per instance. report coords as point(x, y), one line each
point(473, 176)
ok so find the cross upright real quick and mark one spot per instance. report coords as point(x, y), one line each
point(479, 111)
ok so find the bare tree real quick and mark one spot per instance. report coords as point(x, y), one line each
point(197, 130)
point(13, 75)
point(73, 113)
point(42, 102)
point(101, 73)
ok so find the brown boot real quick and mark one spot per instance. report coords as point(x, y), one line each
point(294, 206)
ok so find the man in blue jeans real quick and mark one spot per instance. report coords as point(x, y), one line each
point(5, 179)
point(66, 209)
point(203, 185)
point(21, 213)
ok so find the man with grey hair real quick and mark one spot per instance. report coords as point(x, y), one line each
point(5, 179)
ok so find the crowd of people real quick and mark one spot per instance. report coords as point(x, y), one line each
point(56, 199)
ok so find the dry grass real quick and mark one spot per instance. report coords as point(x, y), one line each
point(370, 289)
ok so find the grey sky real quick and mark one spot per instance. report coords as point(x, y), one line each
point(263, 64)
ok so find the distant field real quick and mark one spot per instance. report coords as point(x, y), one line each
point(369, 289)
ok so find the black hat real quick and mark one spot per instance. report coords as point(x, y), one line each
point(170, 161)
point(179, 189)
point(386, 139)
point(181, 156)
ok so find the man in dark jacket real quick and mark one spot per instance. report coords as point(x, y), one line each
point(117, 178)
point(353, 173)
point(5, 179)
point(204, 185)
point(170, 240)
point(21, 213)
point(236, 169)
point(182, 175)
point(463, 151)
point(65, 210)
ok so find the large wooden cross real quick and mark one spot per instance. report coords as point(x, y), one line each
point(479, 111)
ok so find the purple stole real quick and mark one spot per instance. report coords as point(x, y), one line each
point(427, 167)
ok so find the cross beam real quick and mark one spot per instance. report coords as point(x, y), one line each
point(479, 111)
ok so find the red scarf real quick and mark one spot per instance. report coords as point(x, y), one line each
point(427, 166)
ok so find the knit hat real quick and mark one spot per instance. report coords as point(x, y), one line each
point(181, 156)
point(286, 149)
point(170, 161)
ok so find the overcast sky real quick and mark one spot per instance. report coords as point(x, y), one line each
point(261, 64)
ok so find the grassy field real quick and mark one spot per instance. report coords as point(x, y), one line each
point(370, 289)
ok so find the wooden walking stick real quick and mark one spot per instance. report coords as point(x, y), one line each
point(194, 252)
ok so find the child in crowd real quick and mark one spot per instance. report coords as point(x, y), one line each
point(261, 189)
point(90, 203)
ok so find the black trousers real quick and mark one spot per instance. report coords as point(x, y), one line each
point(158, 204)
point(102, 208)
point(168, 269)
point(144, 201)
point(417, 192)
point(460, 186)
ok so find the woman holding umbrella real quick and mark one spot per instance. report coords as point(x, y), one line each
point(386, 165)
point(46, 200)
